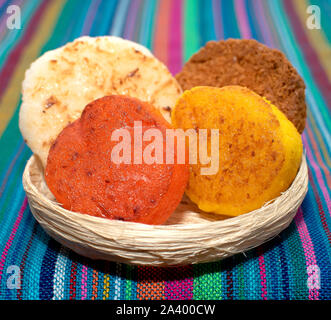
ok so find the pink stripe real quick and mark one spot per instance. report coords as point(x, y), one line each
point(175, 37)
point(308, 248)
point(12, 236)
point(242, 19)
point(179, 289)
point(84, 283)
point(317, 173)
point(263, 277)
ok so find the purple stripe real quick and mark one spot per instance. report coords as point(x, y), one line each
point(2, 2)
point(263, 24)
point(217, 19)
point(92, 10)
point(131, 19)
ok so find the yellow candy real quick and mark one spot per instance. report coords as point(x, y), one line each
point(259, 148)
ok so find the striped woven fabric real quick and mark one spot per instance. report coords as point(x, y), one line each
point(294, 265)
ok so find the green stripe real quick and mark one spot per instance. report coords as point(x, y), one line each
point(79, 20)
point(239, 269)
point(65, 18)
point(297, 262)
point(207, 283)
point(128, 287)
point(191, 37)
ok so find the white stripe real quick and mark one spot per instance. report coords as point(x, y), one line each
point(59, 275)
point(117, 291)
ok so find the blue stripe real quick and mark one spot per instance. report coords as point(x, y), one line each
point(206, 22)
point(284, 273)
point(253, 24)
point(230, 26)
point(84, 6)
point(325, 8)
point(119, 19)
point(270, 256)
point(46, 282)
point(103, 18)
point(33, 264)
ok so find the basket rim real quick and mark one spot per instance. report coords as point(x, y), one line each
point(28, 184)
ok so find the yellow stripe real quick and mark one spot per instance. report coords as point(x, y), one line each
point(106, 280)
point(316, 37)
point(12, 94)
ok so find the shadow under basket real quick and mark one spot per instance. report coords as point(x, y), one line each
point(189, 236)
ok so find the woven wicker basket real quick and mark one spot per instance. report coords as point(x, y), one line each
point(189, 236)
